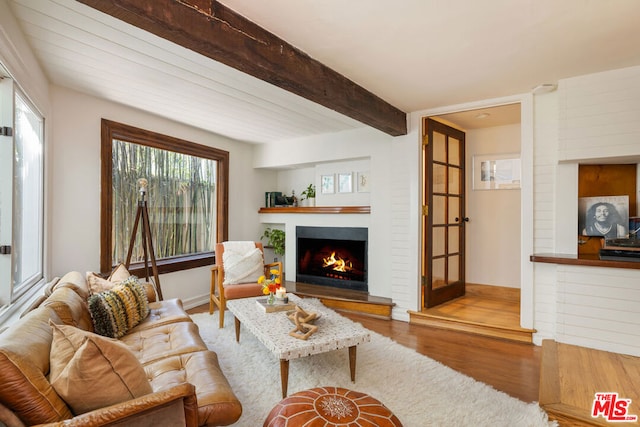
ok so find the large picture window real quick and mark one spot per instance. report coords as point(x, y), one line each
point(187, 197)
point(21, 193)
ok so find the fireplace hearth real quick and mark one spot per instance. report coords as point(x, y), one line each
point(332, 256)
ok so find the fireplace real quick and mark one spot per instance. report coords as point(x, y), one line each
point(332, 256)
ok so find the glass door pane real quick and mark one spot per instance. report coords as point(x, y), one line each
point(28, 195)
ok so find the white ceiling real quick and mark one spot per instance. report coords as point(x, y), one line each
point(415, 54)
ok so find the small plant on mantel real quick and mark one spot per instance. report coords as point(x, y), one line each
point(309, 192)
point(275, 239)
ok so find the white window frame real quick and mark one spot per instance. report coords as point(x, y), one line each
point(12, 293)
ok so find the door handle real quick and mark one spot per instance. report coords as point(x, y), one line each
point(465, 219)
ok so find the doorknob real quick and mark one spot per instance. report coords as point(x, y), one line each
point(465, 219)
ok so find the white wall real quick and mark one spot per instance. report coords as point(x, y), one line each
point(75, 186)
point(544, 215)
point(493, 232)
point(299, 178)
point(599, 121)
point(600, 115)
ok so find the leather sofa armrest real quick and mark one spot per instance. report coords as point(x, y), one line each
point(177, 405)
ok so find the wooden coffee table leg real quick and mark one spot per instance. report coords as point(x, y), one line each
point(352, 362)
point(284, 376)
point(237, 322)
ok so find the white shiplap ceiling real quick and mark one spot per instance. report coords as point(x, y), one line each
point(415, 54)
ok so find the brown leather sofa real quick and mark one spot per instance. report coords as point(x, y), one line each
point(188, 386)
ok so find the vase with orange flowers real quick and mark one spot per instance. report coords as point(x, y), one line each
point(270, 285)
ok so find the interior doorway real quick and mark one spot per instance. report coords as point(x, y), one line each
point(492, 237)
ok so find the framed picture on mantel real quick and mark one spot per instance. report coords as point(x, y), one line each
point(327, 184)
point(345, 182)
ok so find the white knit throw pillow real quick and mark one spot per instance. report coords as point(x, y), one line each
point(242, 267)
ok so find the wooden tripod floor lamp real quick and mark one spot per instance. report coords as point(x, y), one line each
point(147, 243)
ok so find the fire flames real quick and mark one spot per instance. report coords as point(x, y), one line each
point(336, 264)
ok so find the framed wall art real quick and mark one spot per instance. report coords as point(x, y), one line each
point(345, 182)
point(496, 172)
point(604, 216)
point(363, 182)
point(327, 184)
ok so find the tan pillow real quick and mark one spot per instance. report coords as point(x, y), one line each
point(89, 371)
point(97, 284)
point(119, 274)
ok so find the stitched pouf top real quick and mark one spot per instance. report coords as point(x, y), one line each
point(331, 407)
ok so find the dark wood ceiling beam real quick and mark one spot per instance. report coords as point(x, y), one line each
point(215, 31)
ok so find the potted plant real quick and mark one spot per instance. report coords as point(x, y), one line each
point(309, 194)
point(275, 239)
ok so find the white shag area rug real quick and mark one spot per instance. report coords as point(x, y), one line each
point(419, 390)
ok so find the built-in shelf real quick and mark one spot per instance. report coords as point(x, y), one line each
point(318, 210)
point(583, 259)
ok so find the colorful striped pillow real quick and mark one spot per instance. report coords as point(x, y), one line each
point(116, 311)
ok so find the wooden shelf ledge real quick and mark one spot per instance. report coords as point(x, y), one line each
point(318, 210)
point(585, 260)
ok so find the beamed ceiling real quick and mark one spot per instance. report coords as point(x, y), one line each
point(267, 71)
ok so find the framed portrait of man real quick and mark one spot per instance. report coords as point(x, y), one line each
point(604, 216)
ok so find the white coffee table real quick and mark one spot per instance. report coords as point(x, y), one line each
point(335, 332)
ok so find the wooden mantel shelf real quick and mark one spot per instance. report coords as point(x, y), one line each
point(318, 210)
point(586, 260)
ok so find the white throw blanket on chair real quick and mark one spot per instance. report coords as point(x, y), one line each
point(242, 262)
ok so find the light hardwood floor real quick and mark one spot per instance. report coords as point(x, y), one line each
point(511, 367)
point(492, 311)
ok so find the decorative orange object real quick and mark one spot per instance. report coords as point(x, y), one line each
point(331, 406)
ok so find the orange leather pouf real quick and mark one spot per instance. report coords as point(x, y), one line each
point(331, 407)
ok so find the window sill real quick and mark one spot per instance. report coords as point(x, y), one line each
point(170, 265)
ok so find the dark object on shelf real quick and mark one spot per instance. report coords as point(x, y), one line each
point(620, 255)
point(622, 244)
point(284, 201)
point(270, 198)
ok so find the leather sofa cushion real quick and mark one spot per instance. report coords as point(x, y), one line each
point(217, 404)
point(90, 371)
point(76, 281)
point(70, 307)
point(163, 313)
point(163, 341)
point(24, 364)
